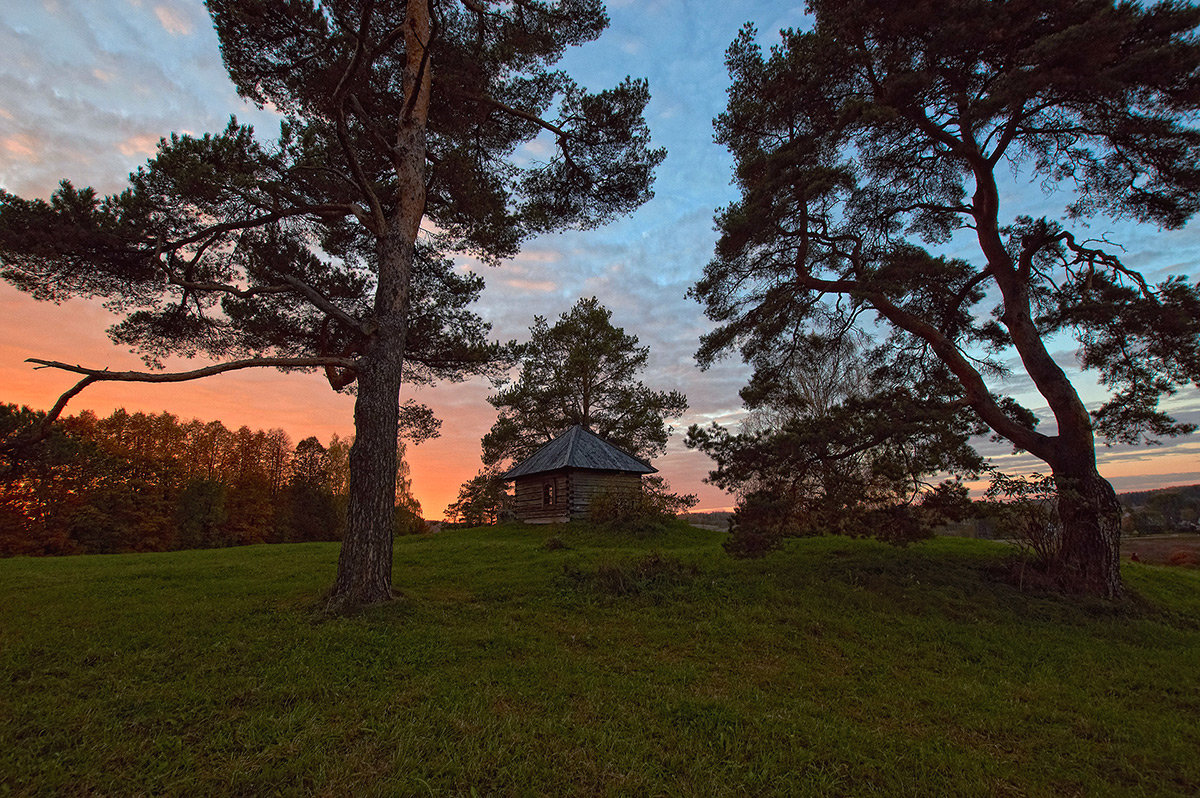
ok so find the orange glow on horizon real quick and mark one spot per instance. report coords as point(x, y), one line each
point(300, 404)
point(303, 405)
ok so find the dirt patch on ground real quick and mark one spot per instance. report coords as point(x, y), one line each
point(1181, 549)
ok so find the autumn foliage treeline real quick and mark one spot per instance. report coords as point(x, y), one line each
point(140, 482)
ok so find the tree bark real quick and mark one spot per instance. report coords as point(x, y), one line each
point(1088, 559)
point(1088, 556)
point(364, 574)
point(365, 563)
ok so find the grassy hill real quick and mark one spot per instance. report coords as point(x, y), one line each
point(612, 666)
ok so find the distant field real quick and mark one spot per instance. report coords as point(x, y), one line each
point(1161, 549)
point(611, 666)
point(716, 520)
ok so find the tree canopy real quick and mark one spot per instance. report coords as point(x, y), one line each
point(582, 370)
point(887, 128)
point(329, 246)
point(482, 500)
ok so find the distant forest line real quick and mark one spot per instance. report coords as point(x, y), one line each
point(1151, 512)
point(134, 482)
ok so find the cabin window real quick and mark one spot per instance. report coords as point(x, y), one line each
point(547, 493)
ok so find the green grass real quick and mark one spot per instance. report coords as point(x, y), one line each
point(614, 666)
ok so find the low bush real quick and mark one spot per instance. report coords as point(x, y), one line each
point(407, 522)
point(759, 525)
point(627, 511)
point(647, 511)
point(764, 518)
point(1026, 511)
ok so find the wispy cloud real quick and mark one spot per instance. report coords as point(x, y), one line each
point(21, 146)
point(173, 21)
point(539, 286)
point(142, 144)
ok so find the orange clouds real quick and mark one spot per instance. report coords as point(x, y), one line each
point(145, 145)
point(20, 146)
point(540, 286)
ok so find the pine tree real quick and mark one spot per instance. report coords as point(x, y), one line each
point(307, 252)
point(889, 126)
point(583, 370)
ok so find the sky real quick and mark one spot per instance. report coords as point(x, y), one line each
point(87, 88)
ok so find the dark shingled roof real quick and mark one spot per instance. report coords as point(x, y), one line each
point(578, 448)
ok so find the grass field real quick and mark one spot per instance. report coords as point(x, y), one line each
point(612, 666)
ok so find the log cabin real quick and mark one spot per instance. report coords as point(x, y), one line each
point(558, 482)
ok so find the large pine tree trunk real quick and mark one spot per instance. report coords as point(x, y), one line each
point(365, 564)
point(364, 573)
point(1089, 555)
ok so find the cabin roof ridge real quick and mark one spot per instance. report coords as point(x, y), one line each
point(573, 449)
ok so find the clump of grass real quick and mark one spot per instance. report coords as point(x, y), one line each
point(674, 534)
point(654, 573)
point(554, 543)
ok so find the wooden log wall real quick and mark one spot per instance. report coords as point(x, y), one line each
point(573, 493)
point(529, 494)
point(586, 485)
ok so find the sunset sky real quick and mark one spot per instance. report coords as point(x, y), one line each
point(87, 87)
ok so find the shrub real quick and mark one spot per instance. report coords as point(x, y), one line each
point(749, 542)
point(764, 518)
point(759, 524)
point(626, 511)
point(406, 522)
point(640, 512)
point(1027, 513)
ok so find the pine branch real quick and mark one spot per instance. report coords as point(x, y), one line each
point(104, 375)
